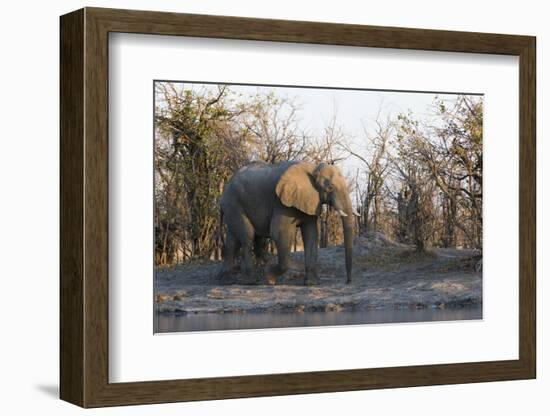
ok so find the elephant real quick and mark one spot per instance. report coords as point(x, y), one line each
point(270, 200)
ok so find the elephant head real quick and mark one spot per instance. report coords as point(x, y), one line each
point(307, 187)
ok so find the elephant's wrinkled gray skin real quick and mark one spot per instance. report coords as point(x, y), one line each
point(265, 200)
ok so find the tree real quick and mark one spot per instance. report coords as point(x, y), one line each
point(450, 151)
point(197, 148)
point(372, 191)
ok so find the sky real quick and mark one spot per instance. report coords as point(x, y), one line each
point(352, 106)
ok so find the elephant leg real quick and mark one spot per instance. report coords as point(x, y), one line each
point(310, 236)
point(230, 251)
point(240, 235)
point(282, 233)
point(260, 249)
point(245, 235)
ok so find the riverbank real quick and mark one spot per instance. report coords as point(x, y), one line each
point(385, 276)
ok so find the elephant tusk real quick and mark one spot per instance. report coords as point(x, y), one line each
point(356, 213)
point(342, 213)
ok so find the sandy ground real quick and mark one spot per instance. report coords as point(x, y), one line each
point(385, 275)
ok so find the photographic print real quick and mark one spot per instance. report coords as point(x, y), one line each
point(305, 206)
point(294, 206)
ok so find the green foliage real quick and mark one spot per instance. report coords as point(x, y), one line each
point(195, 153)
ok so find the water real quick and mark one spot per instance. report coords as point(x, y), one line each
point(228, 321)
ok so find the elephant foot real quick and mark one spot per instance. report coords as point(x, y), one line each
point(272, 274)
point(249, 279)
point(225, 279)
point(249, 282)
point(311, 281)
point(271, 279)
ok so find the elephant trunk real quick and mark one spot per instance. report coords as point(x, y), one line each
point(347, 224)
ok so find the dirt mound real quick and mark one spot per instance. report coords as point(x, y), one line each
point(370, 248)
point(375, 239)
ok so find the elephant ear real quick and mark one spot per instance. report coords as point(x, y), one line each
point(296, 188)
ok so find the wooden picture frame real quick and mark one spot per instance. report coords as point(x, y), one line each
point(84, 207)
